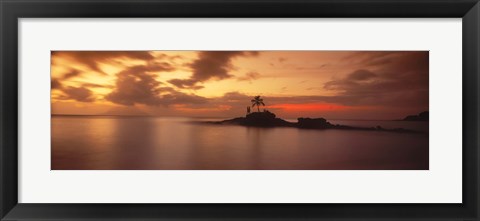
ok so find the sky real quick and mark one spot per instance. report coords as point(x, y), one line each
point(370, 85)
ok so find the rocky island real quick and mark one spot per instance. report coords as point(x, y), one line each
point(269, 119)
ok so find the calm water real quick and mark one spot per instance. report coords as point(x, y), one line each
point(128, 143)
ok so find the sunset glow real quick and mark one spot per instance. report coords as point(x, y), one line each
point(310, 107)
point(330, 84)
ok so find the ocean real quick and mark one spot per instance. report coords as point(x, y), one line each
point(158, 143)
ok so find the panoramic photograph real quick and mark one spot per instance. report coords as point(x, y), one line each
point(239, 110)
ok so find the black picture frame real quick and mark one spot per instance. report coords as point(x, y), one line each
point(12, 10)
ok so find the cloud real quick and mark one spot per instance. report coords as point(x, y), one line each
point(361, 75)
point(210, 65)
point(92, 59)
point(176, 97)
point(93, 85)
point(183, 83)
point(398, 79)
point(55, 84)
point(137, 85)
point(353, 79)
point(235, 96)
point(78, 93)
point(81, 94)
point(250, 76)
point(72, 73)
point(213, 64)
point(230, 104)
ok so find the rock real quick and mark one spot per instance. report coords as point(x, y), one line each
point(317, 123)
point(420, 117)
point(259, 119)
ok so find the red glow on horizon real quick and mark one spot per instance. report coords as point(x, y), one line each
point(310, 107)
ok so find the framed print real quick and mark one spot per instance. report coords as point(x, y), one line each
point(320, 110)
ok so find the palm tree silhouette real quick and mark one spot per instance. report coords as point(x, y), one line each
point(257, 101)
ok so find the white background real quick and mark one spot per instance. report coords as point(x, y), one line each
point(441, 184)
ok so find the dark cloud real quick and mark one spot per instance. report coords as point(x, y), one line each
point(78, 93)
point(213, 64)
point(210, 65)
point(183, 83)
point(250, 76)
point(81, 94)
point(55, 84)
point(361, 75)
point(93, 85)
point(137, 85)
point(93, 58)
point(400, 80)
point(72, 73)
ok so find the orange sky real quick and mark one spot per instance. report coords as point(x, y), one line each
point(330, 84)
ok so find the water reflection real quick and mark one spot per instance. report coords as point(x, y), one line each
point(130, 143)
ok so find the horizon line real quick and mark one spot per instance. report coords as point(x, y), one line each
point(156, 116)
